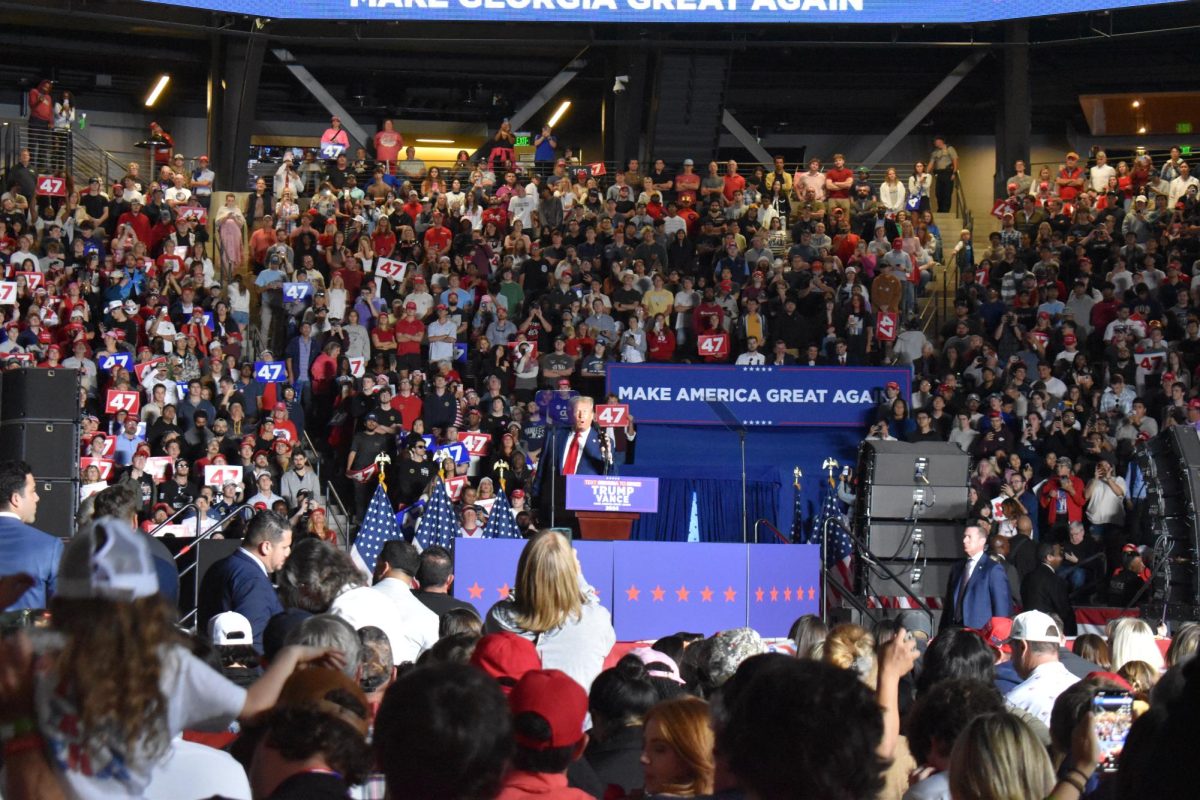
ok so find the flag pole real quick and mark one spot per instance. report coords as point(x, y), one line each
point(830, 464)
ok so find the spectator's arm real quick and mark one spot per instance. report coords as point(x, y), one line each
point(896, 659)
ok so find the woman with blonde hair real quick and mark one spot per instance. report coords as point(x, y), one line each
point(553, 606)
point(677, 749)
point(1133, 640)
point(997, 757)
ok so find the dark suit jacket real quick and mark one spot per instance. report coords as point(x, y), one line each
point(1043, 590)
point(987, 595)
point(238, 583)
point(617, 761)
point(24, 548)
point(441, 603)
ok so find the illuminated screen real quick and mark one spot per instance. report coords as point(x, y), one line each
point(677, 11)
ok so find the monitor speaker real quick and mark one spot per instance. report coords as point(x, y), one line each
point(50, 394)
point(50, 448)
point(58, 501)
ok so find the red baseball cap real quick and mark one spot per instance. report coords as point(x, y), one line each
point(518, 494)
point(893, 385)
point(281, 406)
point(564, 383)
point(996, 633)
point(506, 657)
point(1069, 338)
point(556, 698)
point(410, 306)
point(1194, 402)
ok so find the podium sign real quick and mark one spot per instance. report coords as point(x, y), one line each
point(599, 493)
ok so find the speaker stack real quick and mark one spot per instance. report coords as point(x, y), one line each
point(910, 511)
point(1170, 463)
point(40, 413)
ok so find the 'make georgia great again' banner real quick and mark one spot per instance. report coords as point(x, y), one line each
point(654, 11)
point(753, 396)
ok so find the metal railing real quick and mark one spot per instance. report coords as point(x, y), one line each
point(62, 152)
point(214, 529)
point(154, 531)
point(342, 519)
point(771, 527)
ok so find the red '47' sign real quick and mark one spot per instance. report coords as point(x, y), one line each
point(476, 443)
point(885, 326)
point(118, 400)
point(713, 345)
point(612, 415)
point(51, 186)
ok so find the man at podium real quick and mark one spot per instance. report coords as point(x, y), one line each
point(581, 449)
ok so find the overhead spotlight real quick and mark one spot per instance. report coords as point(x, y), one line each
point(619, 83)
point(157, 91)
point(1136, 104)
point(1142, 130)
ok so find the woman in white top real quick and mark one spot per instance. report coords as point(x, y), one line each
point(553, 606)
point(287, 211)
point(116, 684)
point(919, 185)
point(239, 301)
point(336, 295)
point(891, 192)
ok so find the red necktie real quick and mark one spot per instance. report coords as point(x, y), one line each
point(572, 455)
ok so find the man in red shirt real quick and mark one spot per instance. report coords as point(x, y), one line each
point(687, 183)
point(324, 386)
point(407, 404)
point(689, 214)
point(388, 144)
point(1062, 496)
point(438, 236)
point(838, 181)
point(136, 220)
point(262, 240)
point(733, 181)
point(1070, 179)
point(409, 333)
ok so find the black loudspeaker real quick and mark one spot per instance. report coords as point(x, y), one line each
point(57, 503)
point(50, 448)
point(1170, 463)
point(901, 463)
point(901, 540)
point(51, 394)
point(924, 579)
point(207, 552)
point(900, 502)
point(898, 480)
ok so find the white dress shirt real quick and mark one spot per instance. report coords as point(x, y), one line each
point(363, 606)
point(1037, 693)
point(418, 621)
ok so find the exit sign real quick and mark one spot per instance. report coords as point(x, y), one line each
point(1186, 150)
point(1183, 127)
point(523, 140)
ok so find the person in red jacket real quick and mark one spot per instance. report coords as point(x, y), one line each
point(135, 219)
point(1063, 497)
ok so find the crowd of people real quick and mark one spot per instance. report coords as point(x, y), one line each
point(350, 687)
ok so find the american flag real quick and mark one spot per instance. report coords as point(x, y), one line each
point(439, 524)
point(379, 526)
point(840, 549)
point(798, 536)
point(500, 524)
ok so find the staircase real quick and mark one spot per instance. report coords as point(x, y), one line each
point(689, 102)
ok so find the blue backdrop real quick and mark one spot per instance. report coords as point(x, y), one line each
point(706, 461)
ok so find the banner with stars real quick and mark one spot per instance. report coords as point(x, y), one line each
point(754, 396)
point(666, 587)
point(653, 589)
point(486, 569)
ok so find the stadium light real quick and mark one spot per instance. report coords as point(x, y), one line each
point(157, 91)
point(435, 141)
point(562, 109)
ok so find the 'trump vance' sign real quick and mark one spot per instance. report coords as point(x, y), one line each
point(752, 396)
point(651, 11)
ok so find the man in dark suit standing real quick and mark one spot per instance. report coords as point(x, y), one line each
point(580, 450)
point(1044, 590)
point(978, 588)
point(242, 583)
point(24, 550)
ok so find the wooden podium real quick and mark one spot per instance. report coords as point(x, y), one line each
point(605, 526)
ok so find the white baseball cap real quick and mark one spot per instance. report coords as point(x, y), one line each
point(230, 628)
point(1035, 626)
point(107, 560)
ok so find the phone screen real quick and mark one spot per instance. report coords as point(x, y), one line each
point(1112, 716)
